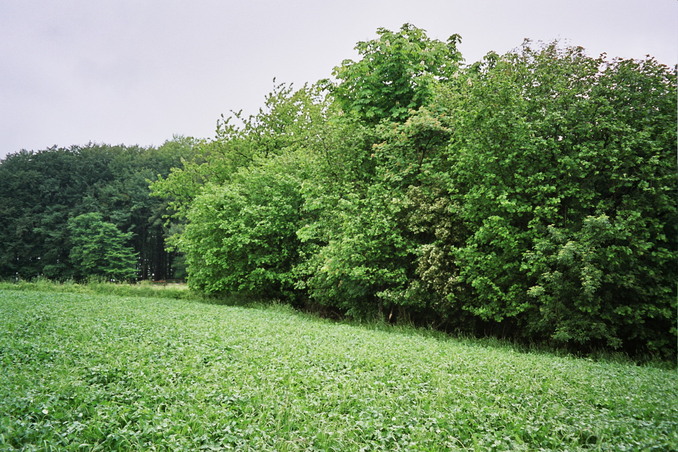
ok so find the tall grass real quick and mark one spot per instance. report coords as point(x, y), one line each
point(99, 286)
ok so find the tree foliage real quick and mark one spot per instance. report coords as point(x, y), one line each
point(530, 194)
point(396, 74)
point(241, 236)
point(99, 249)
point(562, 167)
point(41, 191)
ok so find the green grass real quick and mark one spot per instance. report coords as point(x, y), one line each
point(85, 371)
point(141, 289)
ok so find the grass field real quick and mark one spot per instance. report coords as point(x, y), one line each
point(84, 371)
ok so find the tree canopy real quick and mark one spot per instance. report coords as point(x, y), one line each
point(529, 195)
point(42, 191)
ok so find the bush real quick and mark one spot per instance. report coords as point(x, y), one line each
point(241, 237)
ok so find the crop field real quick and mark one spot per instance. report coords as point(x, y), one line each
point(82, 371)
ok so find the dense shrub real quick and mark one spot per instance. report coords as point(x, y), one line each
point(530, 195)
point(564, 168)
point(241, 236)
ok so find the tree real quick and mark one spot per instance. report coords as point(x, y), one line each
point(563, 169)
point(367, 262)
point(360, 253)
point(395, 75)
point(241, 236)
point(40, 191)
point(98, 249)
point(125, 199)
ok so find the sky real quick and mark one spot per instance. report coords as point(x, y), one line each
point(141, 71)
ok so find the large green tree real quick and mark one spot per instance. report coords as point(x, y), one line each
point(239, 197)
point(99, 249)
point(365, 263)
point(38, 193)
point(396, 73)
point(563, 171)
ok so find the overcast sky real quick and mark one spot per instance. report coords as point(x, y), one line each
point(139, 71)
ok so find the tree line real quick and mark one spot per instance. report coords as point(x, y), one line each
point(86, 212)
point(529, 195)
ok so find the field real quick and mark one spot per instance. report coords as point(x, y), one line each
point(85, 371)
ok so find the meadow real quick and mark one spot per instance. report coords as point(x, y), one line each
point(80, 370)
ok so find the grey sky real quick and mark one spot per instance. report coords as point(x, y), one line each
point(139, 71)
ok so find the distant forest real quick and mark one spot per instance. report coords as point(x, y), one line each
point(46, 196)
point(530, 195)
